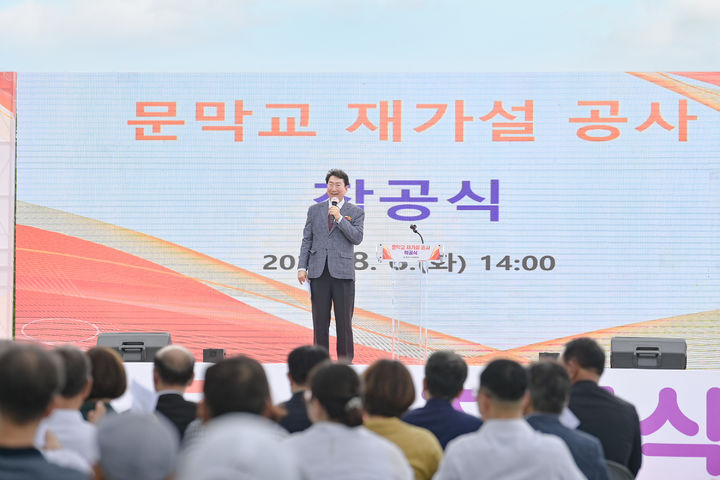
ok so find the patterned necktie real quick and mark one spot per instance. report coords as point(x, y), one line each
point(330, 222)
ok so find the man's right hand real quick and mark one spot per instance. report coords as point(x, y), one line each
point(302, 276)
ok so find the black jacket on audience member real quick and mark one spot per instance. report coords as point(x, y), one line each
point(610, 419)
point(178, 410)
point(296, 419)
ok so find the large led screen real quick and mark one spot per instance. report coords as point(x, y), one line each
point(566, 204)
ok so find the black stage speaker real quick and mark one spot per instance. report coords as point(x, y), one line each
point(135, 346)
point(543, 356)
point(642, 352)
point(213, 355)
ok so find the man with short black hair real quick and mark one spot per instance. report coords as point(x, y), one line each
point(445, 374)
point(327, 259)
point(506, 446)
point(300, 361)
point(612, 420)
point(549, 393)
point(235, 385)
point(66, 422)
point(173, 373)
point(238, 439)
point(29, 380)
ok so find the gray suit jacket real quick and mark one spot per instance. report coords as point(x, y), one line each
point(337, 245)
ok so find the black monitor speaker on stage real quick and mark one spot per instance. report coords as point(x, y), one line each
point(213, 355)
point(135, 346)
point(644, 352)
point(543, 356)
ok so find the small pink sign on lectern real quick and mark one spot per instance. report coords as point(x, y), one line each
point(407, 251)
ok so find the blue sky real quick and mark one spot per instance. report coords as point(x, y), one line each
point(372, 35)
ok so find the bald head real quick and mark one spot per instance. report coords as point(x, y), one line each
point(174, 366)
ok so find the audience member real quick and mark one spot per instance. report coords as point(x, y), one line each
point(109, 380)
point(506, 446)
point(5, 344)
point(239, 437)
point(337, 445)
point(66, 422)
point(445, 374)
point(239, 440)
point(236, 385)
point(549, 387)
point(612, 420)
point(136, 446)
point(173, 373)
point(29, 380)
point(389, 391)
point(300, 361)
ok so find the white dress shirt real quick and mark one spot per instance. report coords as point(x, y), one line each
point(239, 446)
point(73, 431)
point(330, 450)
point(508, 449)
point(68, 459)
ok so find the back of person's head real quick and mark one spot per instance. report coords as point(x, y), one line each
point(549, 386)
point(586, 353)
point(302, 359)
point(236, 384)
point(29, 379)
point(135, 446)
point(445, 374)
point(5, 344)
point(108, 373)
point(78, 370)
point(504, 381)
point(174, 365)
point(337, 387)
point(389, 388)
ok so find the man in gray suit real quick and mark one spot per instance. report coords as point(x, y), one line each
point(549, 387)
point(327, 259)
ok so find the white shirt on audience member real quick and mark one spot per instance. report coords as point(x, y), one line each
point(73, 431)
point(330, 450)
point(239, 446)
point(509, 449)
point(68, 459)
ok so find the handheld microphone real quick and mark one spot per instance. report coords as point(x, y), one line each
point(334, 202)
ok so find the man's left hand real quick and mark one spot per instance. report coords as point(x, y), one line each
point(335, 212)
